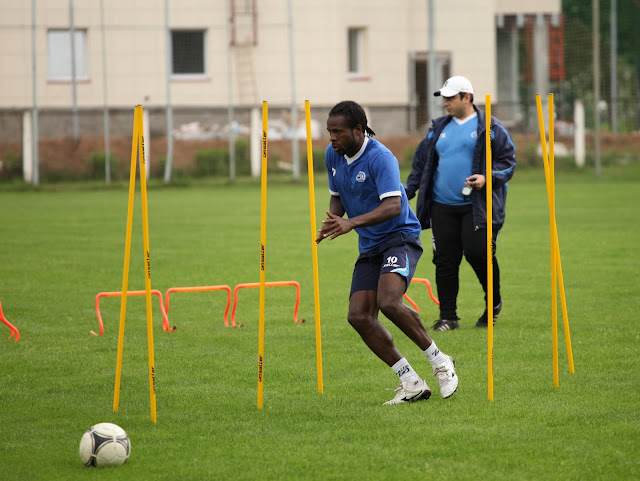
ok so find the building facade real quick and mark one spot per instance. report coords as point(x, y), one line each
point(207, 58)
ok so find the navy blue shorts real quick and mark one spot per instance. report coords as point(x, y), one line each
point(399, 253)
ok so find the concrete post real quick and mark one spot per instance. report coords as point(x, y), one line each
point(541, 57)
point(27, 139)
point(146, 129)
point(255, 141)
point(579, 133)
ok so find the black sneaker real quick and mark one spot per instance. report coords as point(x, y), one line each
point(482, 322)
point(446, 325)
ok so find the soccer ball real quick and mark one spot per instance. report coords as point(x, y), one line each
point(105, 444)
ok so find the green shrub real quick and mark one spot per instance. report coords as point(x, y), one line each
point(319, 165)
point(623, 156)
point(215, 162)
point(49, 174)
point(11, 165)
point(157, 167)
point(528, 157)
point(96, 166)
point(243, 158)
point(407, 156)
point(318, 160)
point(211, 162)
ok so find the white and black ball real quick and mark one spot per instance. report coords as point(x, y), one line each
point(105, 444)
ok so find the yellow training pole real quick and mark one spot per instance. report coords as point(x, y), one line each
point(263, 242)
point(147, 270)
point(127, 251)
point(550, 195)
point(314, 246)
point(554, 244)
point(489, 198)
point(563, 299)
point(565, 315)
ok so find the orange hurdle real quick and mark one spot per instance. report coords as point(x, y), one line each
point(421, 280)
point(266, 284)
point(165, 319)
point(14, 330)
point(200, 289)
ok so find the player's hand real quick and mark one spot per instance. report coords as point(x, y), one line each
point(332, 227)
point(476, 181)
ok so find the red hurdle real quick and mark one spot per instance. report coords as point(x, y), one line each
point(201, 289)
point(165, 319)
point(14, 330)
point(421, 280)
point(266, 284)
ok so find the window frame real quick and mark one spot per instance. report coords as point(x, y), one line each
point(59, 43)
point(189, 75)
point(357, 50)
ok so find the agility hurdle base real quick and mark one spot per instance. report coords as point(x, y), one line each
point(14, 329)
point(421, 280)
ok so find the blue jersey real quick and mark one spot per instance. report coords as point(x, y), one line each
point(362, 182)
point(455, 148)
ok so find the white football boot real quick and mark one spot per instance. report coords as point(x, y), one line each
point(447, 377)
point(409, 392)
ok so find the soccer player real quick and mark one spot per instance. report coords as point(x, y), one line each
point(449, 169)
point(364, 182)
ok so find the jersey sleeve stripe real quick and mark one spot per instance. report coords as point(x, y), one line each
point(393, 193)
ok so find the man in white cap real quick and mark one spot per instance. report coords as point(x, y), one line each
point(449, 170)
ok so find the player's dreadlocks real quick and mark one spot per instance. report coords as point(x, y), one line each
point(354, 115)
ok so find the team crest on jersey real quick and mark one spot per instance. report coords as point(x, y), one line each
point(474, 134)
point(361, 176)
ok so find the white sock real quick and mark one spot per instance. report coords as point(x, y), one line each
point(435, 356)
point(404, 371)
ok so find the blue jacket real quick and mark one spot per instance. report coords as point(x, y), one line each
point(503, 163)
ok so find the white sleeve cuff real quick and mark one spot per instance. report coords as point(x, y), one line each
point(393, 193)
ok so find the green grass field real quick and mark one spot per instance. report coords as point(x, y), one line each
point(61, 246)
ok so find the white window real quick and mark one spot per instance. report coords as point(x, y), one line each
point(356, 40)
point(59, 54)
point(187, 49)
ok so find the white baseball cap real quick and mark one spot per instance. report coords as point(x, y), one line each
point(454, 86)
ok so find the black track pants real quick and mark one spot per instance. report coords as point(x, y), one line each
point(453, 235)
